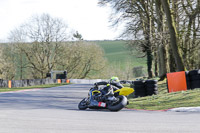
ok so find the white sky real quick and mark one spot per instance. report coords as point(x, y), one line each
point(85, 16)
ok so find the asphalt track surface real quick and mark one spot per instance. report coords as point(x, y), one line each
point(54, 110)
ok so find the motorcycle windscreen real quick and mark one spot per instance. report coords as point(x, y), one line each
point(125, 91)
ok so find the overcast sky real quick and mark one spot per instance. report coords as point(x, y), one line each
point(85, 16)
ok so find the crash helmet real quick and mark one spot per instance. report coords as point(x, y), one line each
point(114, 80)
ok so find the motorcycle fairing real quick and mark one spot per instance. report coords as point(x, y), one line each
point(125, 91)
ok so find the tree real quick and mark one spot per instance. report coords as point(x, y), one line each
point(7, 62)
point(189, 30)
point(173, 36)
point(77, 36)
point(81, 59)
point(160, 40)
point(17, 39)
point(44, 35)
point(138, 18)
point(167, 30)
point(41, 46)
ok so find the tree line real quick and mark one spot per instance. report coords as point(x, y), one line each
point(166, 32)
point(43, 44)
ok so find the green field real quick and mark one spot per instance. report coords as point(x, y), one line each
point(118, 54)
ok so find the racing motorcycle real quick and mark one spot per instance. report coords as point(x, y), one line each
point(106, 98)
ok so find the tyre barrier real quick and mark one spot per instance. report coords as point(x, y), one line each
point(187, 80)
point(125, 82)
point(139, 87)
point(194, 72)
point(145, 88)
point(195, 84)
point(194, 79)
point(151, 87)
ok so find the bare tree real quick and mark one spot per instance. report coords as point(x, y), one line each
point(154, 22)
point(7, 62)
point(173, 35)
point(44, 35)
point(17, 42)
point(189, 39)
point(138, 16)
point(81, 59)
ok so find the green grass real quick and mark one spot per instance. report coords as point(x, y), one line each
point(31, 87)
point(118, 54)
point(165, 100)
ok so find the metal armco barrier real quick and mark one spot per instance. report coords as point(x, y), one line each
point(27, 82)
point(33, 82)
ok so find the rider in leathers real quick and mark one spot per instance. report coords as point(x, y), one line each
point(113, 83)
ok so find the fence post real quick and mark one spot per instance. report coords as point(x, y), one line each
point(67, 81)
point(9, 83)
point(59, 81)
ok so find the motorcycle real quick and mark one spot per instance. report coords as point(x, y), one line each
point(106, 98)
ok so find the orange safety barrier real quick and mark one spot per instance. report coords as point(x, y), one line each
point(176, 81)
point(59, 81)
point(9, 84)
point(67, 81)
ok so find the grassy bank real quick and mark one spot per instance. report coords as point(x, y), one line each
point(31, 87)
point(165, 100)
point(118, 54)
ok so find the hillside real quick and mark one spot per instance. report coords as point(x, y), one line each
point(118, 54)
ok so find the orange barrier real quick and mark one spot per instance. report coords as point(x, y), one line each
point(67, 81)
point(59, 81)
point(9, 84)
point(176, 81)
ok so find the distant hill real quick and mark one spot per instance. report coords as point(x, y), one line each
point(118, 54)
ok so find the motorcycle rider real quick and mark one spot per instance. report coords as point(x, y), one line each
point(114, 81)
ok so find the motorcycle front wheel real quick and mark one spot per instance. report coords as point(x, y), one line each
point(82, 105)
point(121, 103)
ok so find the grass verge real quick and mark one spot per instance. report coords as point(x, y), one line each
point(165, 100)
point(31, 87)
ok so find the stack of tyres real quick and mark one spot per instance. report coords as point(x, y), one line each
point(139, 87)
point(188, 80)
point(151, 87)
point(194, 76)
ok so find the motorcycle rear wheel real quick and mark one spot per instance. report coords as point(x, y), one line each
point(119, 105)
point(82, 105)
